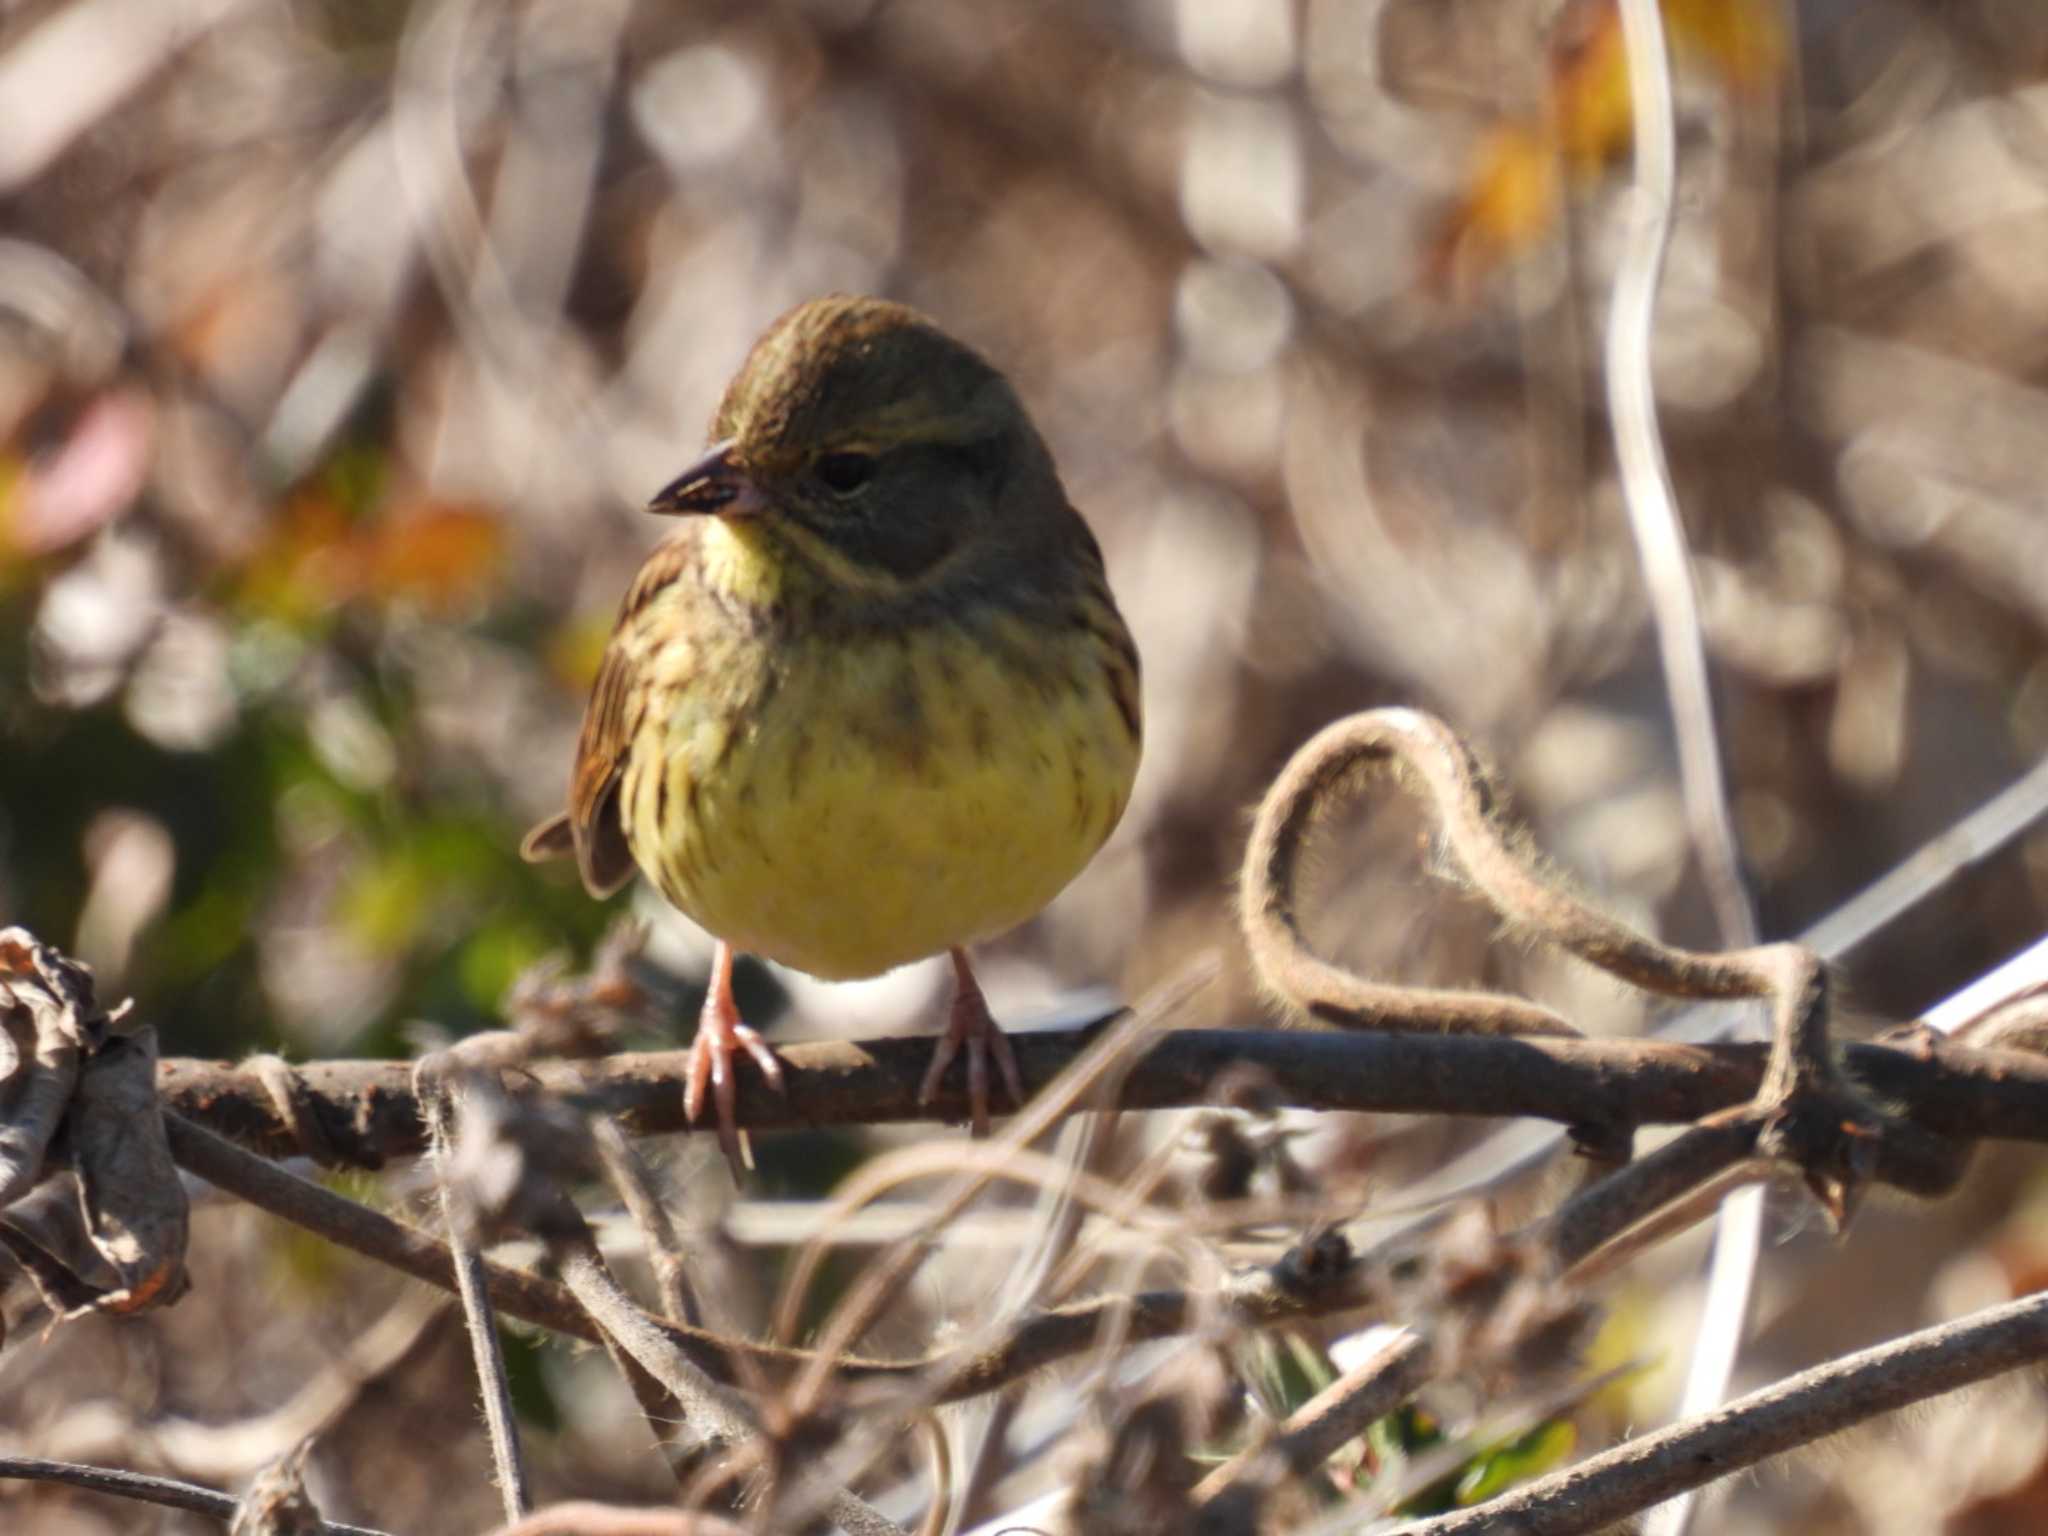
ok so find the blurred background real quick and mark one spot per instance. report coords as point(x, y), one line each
point(340, 344)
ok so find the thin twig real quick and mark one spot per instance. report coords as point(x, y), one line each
point(1977, 836)
point(164, 1491)
point(881, 1280)
point(1674, 605)
point(1610, 1208)
point(473, 1286)
point(1314, 1432)
point(712, 1412)
point(1253, 1299)
point(1096, 1072)
point(1630, 1478)
point(2023, 972)
point(1499, 1425)
point(989, 1164)
point(629, 1176)
point(715, 1413)
point(1516, 1148)
point(1646, 477)
point(412, 1252)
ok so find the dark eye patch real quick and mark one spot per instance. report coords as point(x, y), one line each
point(844, 473)
point(985, 459)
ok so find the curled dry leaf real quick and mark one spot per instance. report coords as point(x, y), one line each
point(44, 1232)
point(47, 1019)
point(129, 1189)
point(113, 1234)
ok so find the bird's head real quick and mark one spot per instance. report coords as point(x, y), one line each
point(875, 446)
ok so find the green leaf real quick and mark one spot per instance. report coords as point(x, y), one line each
point(1516, 1461)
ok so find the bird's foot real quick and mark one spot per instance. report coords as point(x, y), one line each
point(969, 1023)
point(721, 1035)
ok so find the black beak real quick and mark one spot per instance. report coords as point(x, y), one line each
point(713, 485)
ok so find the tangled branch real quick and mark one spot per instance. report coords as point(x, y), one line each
point(1903, 1111)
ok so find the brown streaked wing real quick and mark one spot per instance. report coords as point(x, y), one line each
point(599, 833)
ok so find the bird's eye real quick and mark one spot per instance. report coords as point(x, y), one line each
point(844, 473)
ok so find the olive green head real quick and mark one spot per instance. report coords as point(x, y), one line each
point(876, 443)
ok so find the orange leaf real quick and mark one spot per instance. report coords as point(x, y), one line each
point(443, 555)
point(308, 561)
point(1743, 41)
point(1511, 202)
point(1515, 191)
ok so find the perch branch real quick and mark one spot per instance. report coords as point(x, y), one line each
point(369, 1114)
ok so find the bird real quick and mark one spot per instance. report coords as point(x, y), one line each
point(872, 700)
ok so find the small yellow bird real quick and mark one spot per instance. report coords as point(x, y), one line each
point(873, 699)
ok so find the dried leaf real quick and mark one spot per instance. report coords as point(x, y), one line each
point(46, 1235)
point(441, 555)
point(1515, 191)
point(120, 1243)
point(49, 1019)
point(133, 1199)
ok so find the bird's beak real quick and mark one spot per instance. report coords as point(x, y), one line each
point(713, 485)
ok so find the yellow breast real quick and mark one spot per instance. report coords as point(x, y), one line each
point(849, 807)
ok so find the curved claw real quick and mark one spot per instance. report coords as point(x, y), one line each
point(969, 1023)
point(720, 1032)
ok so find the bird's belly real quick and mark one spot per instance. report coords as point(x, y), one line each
point(883, 804)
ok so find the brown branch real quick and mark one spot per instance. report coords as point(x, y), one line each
point(367, 1112)
point(633, 1182)
point(1316, 1431)
point(716, 1415)
point(1321, 1278)
point(342, 1221)
point(431, 1084)
point(1256, 1298)
point(1810, 1406)
point(166, 1492)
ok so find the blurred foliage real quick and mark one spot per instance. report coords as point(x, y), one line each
point(315, 788)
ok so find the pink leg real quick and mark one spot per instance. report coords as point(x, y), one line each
point(719, 1032)
point(968, 1023)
